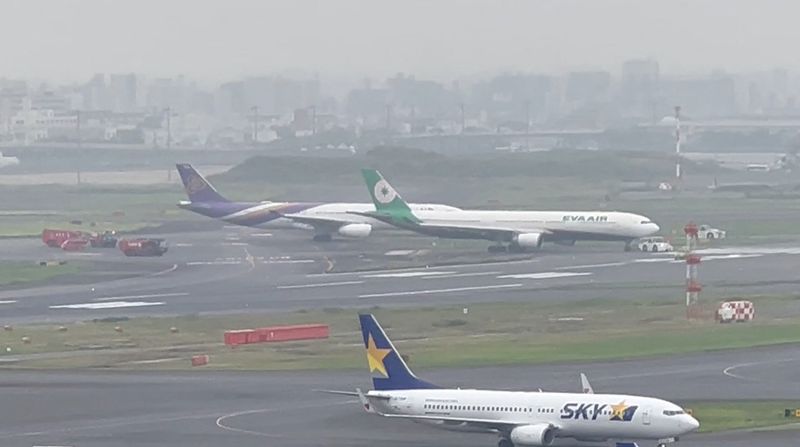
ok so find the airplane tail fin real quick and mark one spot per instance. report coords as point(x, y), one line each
point(386, 199)
point(197, 187)
point(389, 370)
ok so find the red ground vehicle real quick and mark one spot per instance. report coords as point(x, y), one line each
point(77, 244)
point(143, 247)
point(55, 238)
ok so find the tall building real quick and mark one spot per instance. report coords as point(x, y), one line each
point(639, 88)
point(124, 92)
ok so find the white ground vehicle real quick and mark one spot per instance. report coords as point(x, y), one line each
point(709, 232)
point(654, 244)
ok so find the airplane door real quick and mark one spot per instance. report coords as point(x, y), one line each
point(646, 416)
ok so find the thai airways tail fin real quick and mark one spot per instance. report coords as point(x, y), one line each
point(386, 199)
point(389, 370)
point(197, 187)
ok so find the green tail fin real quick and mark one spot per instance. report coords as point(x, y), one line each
point(386, 199)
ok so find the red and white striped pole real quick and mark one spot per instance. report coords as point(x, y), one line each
point(693, 286)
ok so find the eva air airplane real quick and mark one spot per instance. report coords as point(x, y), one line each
point(517, 418)
point(512, 230)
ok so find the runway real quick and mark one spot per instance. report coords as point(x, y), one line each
point(229, 409)
point(243, 270)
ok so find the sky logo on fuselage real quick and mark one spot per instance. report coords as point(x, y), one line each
point(591, 411)
point(582, 218)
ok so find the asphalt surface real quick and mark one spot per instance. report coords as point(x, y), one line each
point(199, 409)
point(242, 270)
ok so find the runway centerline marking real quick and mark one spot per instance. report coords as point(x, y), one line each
point(8, 302)
point(321, 284)
point(108, 305)
point(406, 274)
point(544, 275)
point(139, 297)
point(433, 291)
point(461, 275)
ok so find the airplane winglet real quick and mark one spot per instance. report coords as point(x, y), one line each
point(585, 385)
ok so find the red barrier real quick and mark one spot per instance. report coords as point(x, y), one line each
point(277, 334)
point(233, 338)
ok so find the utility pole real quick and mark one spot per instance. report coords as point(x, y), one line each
point(169, 128)
point(78, 127)
point(463, 117)
point(528, 125)
point(678, 143)
point(314, 120)
point(255, 124)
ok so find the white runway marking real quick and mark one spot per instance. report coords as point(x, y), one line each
point(734, 256)
point(545, 275)
point(432, 291)
point(261, 235)
point(236, 244)
point(139, 297)
point(183, 244)
point(288, 261)
point(214, 263)
point(461, 275)
point(591, 266)
point(322, 284)
point(727, 371)
point(109, 305)
point(164, 272)
point(8, 302)
point(406, 274)
point(652, 260)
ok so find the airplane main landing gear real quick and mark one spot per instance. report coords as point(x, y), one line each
point(323, 238)
point(504, 442)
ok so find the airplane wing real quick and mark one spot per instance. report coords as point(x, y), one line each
point(484, 424)
point(463, 230)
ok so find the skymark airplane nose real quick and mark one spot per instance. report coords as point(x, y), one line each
point(690, 423)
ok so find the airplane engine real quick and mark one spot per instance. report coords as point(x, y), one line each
point(529, 240)
point(357, 230)
point(533, 435)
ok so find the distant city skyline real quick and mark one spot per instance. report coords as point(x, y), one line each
point(213, 41)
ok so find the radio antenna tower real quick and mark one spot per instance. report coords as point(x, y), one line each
point(678, 143)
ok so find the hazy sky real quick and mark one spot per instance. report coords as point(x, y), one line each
point(213, 40)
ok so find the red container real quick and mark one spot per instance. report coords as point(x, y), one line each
point(294, 332)
point(277, 334)
point(233, 338)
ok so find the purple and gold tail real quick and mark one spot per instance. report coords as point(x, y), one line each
point(197, 187)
